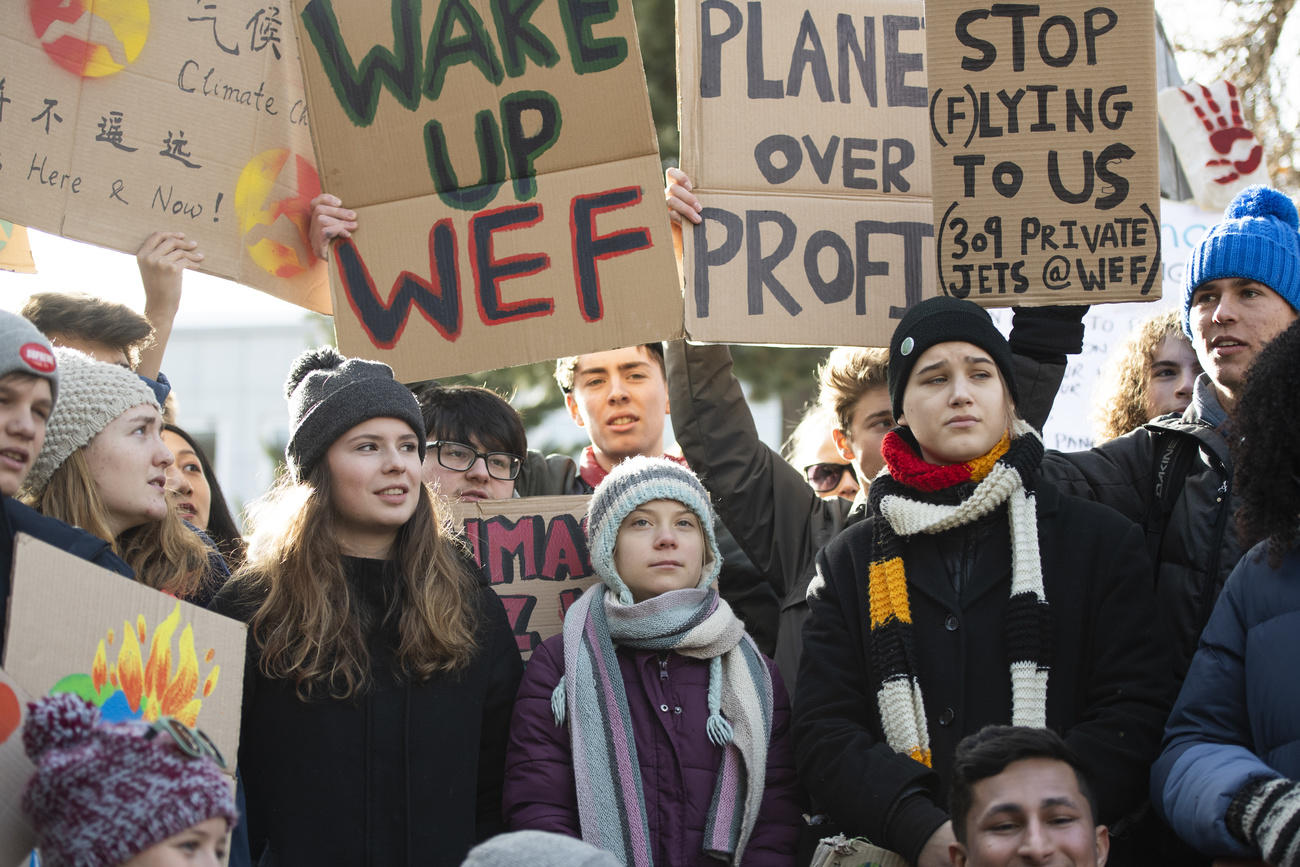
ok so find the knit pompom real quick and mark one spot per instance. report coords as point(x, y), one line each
point(1261, 201)
point(56, 722)
point(324, 358)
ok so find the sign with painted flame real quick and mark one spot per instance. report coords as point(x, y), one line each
point(132, 651)
point(120, 119)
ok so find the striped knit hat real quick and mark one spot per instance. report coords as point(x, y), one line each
point(91, 395)
point(103, 793)
point(635, 481)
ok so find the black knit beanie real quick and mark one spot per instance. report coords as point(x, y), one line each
point(329, 394)
point(941, 320)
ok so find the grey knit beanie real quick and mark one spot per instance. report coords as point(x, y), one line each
point(103, 792)
point(24, 349)
point(329, 394)
point(537, 849)
point(635, 481)
point(91, 395)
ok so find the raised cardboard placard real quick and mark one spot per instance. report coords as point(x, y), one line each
point(505, 173)
point(134, 652)
point(15, 250)
point(120, 119)
point(1046, 175)
point(534, 551)
point(16, 836)
point(804, 132)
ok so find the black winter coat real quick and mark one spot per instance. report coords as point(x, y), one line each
point(1108, 692)
point(409, 773)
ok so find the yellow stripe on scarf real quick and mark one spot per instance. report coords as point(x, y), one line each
point(983, 465)
point(922, 756)
point(887, 590)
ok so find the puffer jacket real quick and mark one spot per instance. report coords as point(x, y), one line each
point(1238, 715)
point(1195, 545)
point(778, 519)
point(667, 700)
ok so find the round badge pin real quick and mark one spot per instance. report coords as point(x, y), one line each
point(906, 346)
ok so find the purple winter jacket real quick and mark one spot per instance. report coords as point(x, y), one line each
point(667, 698)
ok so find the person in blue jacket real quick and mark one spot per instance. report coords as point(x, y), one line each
point(1228, 777)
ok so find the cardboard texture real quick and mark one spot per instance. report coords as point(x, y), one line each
point(534, 551)
point(505, 174)
point(1220, 156)
point(1046, 175)
point(841, 851)
point(15, 250)
point(131, 117)
point(804, 132)
point(16, 836)
point(131, 650)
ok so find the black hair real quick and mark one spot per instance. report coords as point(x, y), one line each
point(469, 414)
point(1266, 458)
point(988, 752)
point(222, 529)
point(566, 368)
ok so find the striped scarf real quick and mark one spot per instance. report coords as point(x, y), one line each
point(914, 497)
point(695, 623)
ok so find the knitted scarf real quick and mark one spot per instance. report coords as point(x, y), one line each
point(695, 623)
point(914, 497)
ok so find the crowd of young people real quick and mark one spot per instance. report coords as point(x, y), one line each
point(976, 653)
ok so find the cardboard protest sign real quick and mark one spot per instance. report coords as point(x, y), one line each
point(505, 172)
point(1045, 156)
point(804, 132)
point(15, 250)
point(119, 119)
point(534, 551)
point(16, 836)
point(1219, 154)
point(132, 651)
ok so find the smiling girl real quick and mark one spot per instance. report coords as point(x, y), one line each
point(103, 468)
point(381, 669)
point(652, 727)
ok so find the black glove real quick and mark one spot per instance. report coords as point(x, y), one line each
point(1048, 334)
point(1266, 814)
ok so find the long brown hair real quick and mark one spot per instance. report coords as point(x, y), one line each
point(310, 628)
point(1120, 404)
point(166, 555)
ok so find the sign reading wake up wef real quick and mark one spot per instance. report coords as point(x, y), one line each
point(503, 164)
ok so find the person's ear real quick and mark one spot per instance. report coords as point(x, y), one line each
point(843, 445)
point(1103, 845)
point(957, 854)
point(571, 403)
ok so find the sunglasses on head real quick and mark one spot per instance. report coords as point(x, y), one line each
point(191, 741)
point(827, 476)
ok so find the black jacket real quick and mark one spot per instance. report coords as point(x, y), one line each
point(1108, 692)
point(1173, 476)
point(409, 773)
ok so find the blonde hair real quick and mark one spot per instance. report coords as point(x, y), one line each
point(165, 555)
point(1120, 403)
point(847, 374)
point(310, 628)
point(808, 436)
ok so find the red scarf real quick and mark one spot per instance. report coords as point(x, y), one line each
point(591, 472)
point(907, 467)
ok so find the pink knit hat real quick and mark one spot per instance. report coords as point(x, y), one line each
point(103, 793)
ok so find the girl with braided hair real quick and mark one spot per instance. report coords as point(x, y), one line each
point(1228, 780)
point(974, 594)
point(652, 727)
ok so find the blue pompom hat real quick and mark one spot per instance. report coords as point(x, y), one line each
point(1259, 239)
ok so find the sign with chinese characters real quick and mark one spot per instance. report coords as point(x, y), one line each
point(503, 165)
point(1044, 151)
point(804, 133)
point(534, 552)
point(119, 119)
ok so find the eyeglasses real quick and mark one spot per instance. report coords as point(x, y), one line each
point(827, 476)
point(460, 457)
point(193, 742)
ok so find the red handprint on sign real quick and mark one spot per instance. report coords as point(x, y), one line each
point(1239, 152)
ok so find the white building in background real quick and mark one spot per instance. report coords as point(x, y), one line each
point(229, 387)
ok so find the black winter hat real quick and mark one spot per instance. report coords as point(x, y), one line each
point(329, 394)
point(941, 320)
